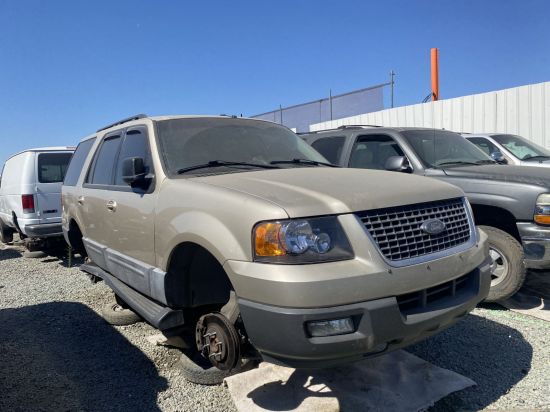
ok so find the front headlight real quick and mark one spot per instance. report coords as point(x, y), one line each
point(298, 241)
point(542, 209)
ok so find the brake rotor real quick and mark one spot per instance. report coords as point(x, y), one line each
point(218, 341)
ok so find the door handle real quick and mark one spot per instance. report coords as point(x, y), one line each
point(80, 200)
point(111, 205)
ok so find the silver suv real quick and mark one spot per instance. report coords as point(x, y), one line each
point(238, 235)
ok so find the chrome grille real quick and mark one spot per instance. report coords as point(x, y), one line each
point(397, 232)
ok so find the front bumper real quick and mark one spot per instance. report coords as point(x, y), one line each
point(382, 325)
point(536, 245)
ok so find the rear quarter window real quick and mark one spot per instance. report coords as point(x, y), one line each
point(330, 147)
point(103, 167)
point(53, 166)
point(77, 162)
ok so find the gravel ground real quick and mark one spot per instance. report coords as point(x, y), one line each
point(57, 353)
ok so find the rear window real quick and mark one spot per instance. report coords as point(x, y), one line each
point(77, 162)
point(52, 167)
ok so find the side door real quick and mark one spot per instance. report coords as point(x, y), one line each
point(130, 213)
point(371, 151)
point(50, 171)
point(94, 198)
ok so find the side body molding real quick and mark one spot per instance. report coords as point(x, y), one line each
point(142, 277)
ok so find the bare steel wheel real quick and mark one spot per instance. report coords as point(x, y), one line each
point(499, 267)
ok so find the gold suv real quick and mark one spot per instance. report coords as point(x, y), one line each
point(238, 235)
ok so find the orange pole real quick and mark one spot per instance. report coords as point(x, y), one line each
point(435, 73)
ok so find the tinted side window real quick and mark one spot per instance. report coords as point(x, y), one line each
point(330, 147)
point(77, 161)
point(135, 145)
point(53, 166)
point(483, 144)
point(372, 152)
point(105, 162)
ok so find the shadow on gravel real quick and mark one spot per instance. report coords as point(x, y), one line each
point(532, 299)
point(62, 356)
point(6, 254)
point(61, 256)
point(495, 356)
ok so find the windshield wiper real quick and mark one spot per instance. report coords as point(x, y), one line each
point(220, 163)
point(536, 157)
point(485, 162)
point(457, 162)
point(303, 162)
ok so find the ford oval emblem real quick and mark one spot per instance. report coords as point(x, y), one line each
point(433, 226)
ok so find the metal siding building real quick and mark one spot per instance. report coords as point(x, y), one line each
point(524, 111)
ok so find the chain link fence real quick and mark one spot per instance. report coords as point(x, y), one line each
point(300, 116)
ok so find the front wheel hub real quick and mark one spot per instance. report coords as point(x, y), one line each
point(499, 266)
point(218, 341)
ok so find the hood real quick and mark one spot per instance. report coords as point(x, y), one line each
point(506, 173)
point(314, 191)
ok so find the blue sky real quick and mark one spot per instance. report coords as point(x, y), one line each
point(69, 67)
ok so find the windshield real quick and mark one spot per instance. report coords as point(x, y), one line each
point(442, 148)
point(196, 141)
point(521, 148)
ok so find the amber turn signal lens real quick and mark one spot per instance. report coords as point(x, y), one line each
point(266, 240)
point(542, 219)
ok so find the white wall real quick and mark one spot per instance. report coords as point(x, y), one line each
point(521, 110)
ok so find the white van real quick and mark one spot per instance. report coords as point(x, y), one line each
point(30, 194)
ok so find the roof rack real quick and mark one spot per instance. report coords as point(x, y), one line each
point(344, 127)
point(128, 119)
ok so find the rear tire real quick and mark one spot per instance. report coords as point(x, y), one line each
point(116, 315)
point(34, 254)
point(196, 369)
point(6, 233)
point(508, 269)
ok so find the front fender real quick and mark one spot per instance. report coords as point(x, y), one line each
point(517, 199)
point(200, 228)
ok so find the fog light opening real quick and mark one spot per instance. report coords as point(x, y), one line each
point(320, 328)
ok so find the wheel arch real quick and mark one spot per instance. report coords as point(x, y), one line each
point(16, 224)
point(195, 277)
point(74, 237)
point(497, 217)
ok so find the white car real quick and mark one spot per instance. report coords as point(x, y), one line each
point(516, 150)
point(30, 194)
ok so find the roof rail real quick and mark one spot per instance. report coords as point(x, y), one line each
point(128, 119)
point(357, 126)
point(343, 127)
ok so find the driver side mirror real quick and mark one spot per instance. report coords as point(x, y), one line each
point(134, 172)
point(398, 164)
point(498, 157)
